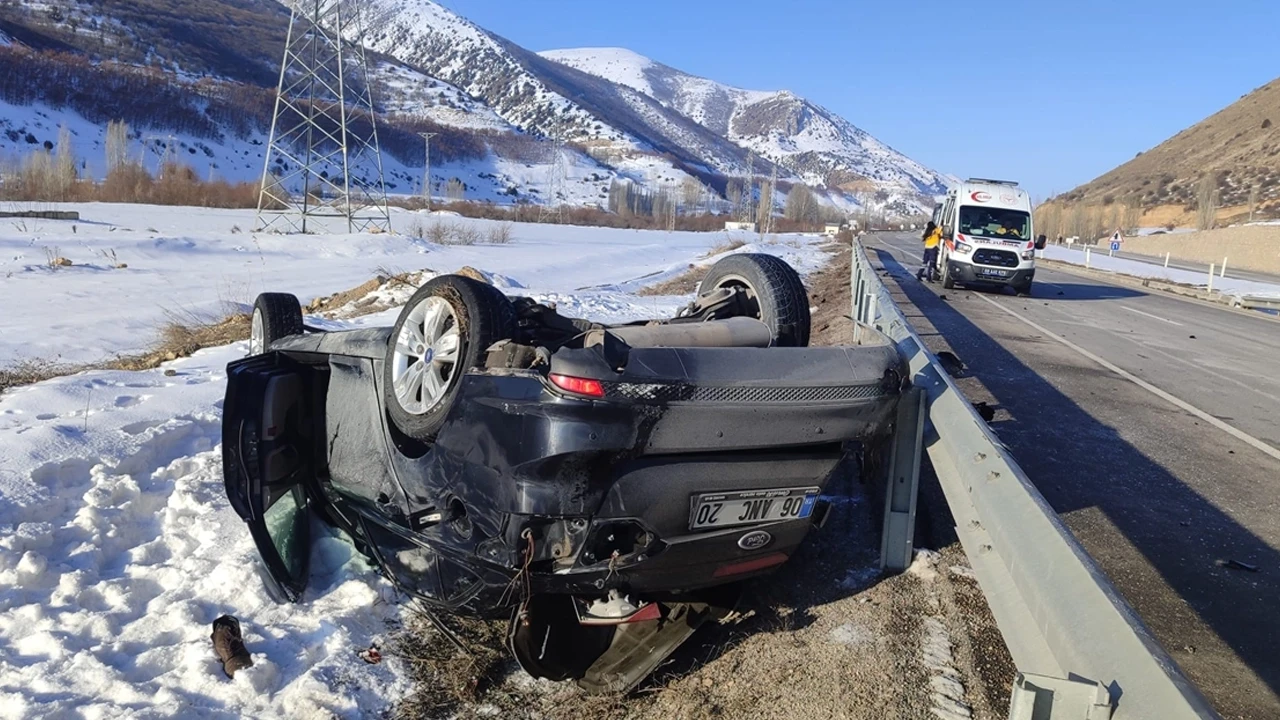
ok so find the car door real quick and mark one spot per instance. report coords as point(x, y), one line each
point(268, 463)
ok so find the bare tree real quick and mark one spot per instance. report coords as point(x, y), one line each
point(764, 211)
point(801, 205)
point(117, 146)
point(691, 191)
point(733, 193)
point(64, 164)
point(456, 191)
point(1132, 214)
point(1206, 202)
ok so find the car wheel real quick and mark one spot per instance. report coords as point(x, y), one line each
point(775, 292)
point(275, 316)
point(1023, 290)
point(948, 282)
point(442, 332)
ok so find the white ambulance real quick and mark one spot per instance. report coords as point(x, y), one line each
point(987, 236)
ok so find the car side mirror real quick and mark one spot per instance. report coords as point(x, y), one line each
point(1041, 242)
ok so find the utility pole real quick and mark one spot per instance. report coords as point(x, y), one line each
point(426, 174)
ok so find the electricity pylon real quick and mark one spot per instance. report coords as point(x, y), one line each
point(552, 208)
point(323, 159)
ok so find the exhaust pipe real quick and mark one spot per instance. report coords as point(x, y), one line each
point(731, 332)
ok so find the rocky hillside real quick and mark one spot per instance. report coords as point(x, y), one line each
point(1237, 150)
point(818, 146)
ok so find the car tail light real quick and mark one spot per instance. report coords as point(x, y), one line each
point(578, 386)
point(752, 565)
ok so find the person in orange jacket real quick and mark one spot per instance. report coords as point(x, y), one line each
point(932, 239)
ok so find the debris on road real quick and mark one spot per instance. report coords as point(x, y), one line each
point(952, 364)
point(1237, 565)
point(987, 412)
point(370, 655)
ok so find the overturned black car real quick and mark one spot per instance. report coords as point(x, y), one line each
point(607, 488)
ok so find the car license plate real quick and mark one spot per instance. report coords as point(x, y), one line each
point(993, 273)
point(746, 507)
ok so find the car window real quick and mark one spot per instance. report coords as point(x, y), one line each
point(996, 223)
point(283, 521)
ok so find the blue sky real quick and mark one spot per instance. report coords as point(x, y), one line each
point(1051, 93)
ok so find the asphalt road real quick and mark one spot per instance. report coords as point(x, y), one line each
point(1188, 265)
point(1152, 424)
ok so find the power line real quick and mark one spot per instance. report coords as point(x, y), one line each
point(553, 207)
point(323, 159)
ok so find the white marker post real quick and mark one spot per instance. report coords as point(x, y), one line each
point(1211, 269)
point(1086, 258)
point(1224, 268)
point(1166, 261)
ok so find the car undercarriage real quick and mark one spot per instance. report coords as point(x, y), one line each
point(606, 488)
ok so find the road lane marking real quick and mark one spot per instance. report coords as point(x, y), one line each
point(1177, 402)
point(1154, 317)
point(904, 252)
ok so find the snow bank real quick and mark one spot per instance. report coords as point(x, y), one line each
point(196, 262)
point(1099, 260)
point(117, 546)
point(118, 550)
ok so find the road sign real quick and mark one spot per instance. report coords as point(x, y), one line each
point(1114, 246)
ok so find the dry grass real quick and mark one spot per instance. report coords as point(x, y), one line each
point(181, 336)
point(728, 245)
point(29, 372)
point(448, 681)
point(500, 234)
point(686, 283)
point(177, 185)
point(443, 232)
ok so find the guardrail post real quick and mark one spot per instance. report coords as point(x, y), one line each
point(897, 545)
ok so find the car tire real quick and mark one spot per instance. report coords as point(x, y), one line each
point(948, 282)
point(275, 316)
point(781, 301)
point(1023, 290)
point(443, 331)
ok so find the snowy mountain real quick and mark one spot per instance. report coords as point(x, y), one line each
point(820, 147)
point(544, 97)
point(206, 73)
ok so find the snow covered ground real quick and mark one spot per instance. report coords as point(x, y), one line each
point(1099, 259)
point(197, 261)
point(117, 546)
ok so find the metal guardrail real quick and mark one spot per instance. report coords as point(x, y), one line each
point(1256, 302)
point(1081, 651)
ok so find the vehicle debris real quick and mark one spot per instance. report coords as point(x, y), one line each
point(370, 655)
point(1238, 565)
point(952, 364)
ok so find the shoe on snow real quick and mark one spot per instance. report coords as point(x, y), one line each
point(229, 645)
